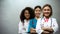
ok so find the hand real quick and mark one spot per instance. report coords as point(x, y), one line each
point(45, 32)
point(32, 30)
point(44, 28)
point(48, 29)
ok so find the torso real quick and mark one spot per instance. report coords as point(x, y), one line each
point(34, 22)
point(46, 24)
point(24, 28)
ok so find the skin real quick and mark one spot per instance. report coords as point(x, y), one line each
point(45, 32)
point(37, 12)
point(32, 30)
point(26, 14)
point(37, 15)
point(46, 12)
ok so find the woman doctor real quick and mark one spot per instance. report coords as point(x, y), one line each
point(47, 24)
point(33, 22)
point(26, 15)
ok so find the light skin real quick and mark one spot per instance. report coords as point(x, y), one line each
point(37, 13)
point(37, 16)
point(46, 11)
point(27, 15)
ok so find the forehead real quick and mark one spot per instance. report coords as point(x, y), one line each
point(37, 8)
point(46, 7)
point(26, 11)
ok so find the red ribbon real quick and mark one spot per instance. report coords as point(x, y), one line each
point(46, 20)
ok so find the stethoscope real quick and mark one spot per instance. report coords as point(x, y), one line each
point(42, 25)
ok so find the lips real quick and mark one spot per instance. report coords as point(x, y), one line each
point(46, 13)
point(38, 14)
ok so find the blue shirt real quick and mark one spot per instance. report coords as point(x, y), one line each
point(32, 24)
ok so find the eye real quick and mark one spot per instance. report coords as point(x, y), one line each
point(48, 9)
point(36, 10)
point(44, 9)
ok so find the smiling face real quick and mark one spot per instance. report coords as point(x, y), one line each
point(26, 14)
point(37, 12)
point(46, 11)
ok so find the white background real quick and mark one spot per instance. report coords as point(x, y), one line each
point(10, 11)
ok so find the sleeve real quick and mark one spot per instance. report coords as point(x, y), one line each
point(30, 25)
point(20, 27)
point(55, 25)
point(38, 27)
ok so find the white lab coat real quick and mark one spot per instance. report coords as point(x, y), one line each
point(51, 23)
point(26, 24)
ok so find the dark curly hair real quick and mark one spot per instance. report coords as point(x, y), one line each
point(31, 12)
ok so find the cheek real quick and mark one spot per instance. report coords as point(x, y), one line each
point(35, 11)
point(25, 15)
point(29, 15)
point(39, 12)
point(44, 12)
point(49, 12)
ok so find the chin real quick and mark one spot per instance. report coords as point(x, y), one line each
point(38, 15)
point(27, 17)
point(47, 15)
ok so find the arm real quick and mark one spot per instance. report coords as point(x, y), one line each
point(20, 27)
point(39, 30)
point(48, 29)
point(32, 30)
point(30, 26)
point(38, 27)
point(54, 25)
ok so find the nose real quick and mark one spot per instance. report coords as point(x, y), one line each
point(46, 11)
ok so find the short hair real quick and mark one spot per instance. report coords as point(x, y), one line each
point(49, 7)
point(31, 12)
point(37, 7)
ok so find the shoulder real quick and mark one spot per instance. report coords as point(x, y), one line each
point(54, 19)
point(31, 19)
point(20, 23)
point(40, 19)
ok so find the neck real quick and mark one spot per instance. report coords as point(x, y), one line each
point(46, 17)
point(37, 17)
point(27, 19)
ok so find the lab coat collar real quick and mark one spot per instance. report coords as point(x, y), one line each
point(45, 17)
point(37, 19)
point(26, 20)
